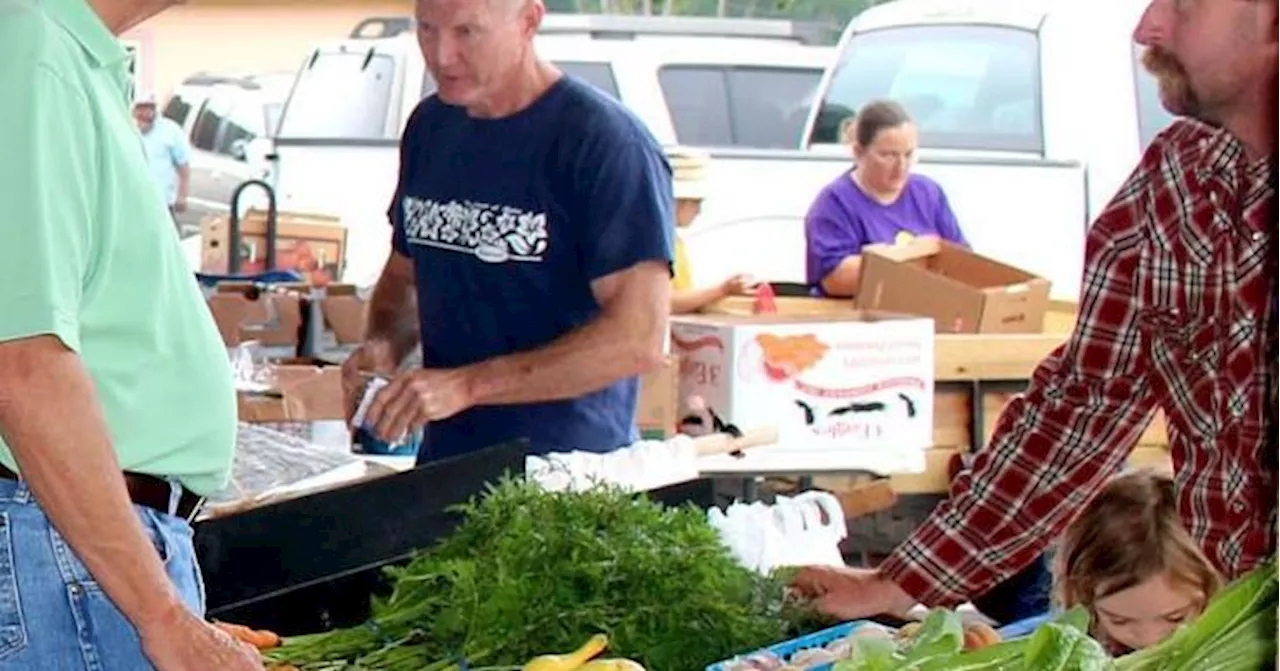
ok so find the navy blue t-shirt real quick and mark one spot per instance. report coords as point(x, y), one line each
point(508, 221)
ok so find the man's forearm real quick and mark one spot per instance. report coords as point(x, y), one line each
point(50, 419)
point(184, 181)
point(393, 312)
point(611, 347)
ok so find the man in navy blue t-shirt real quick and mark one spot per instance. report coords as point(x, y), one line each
point(532, 233)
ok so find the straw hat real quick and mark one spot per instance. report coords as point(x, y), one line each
point(688, 172)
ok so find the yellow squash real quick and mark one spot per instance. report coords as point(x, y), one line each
point(571, 661)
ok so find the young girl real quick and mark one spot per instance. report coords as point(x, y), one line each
point(1129, 560)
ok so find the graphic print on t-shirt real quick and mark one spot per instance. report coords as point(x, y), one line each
point(492, 233)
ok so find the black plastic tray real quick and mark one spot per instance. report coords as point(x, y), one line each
point(299, 545)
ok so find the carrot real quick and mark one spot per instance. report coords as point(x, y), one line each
point(264, 639)
point(258, 638)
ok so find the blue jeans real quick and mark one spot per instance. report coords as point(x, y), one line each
point(1024, 594)
point(53, 615)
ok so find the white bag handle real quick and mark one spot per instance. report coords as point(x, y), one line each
point(830, 507)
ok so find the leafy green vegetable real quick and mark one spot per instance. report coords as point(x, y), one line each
point(1057, 647)
point(941, 636)
point(870, 654)
point(530, 572)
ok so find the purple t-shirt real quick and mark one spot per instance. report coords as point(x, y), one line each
point(843, 220)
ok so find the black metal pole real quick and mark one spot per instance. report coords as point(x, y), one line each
point(233, 229)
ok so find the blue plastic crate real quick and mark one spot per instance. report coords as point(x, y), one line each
point(817, 639)
point(821, 638)
point(1023, 627)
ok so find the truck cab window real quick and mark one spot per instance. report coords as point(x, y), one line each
point(599, 75)
point(698, 99)
point(343, 95)
point(770, 106)
point(736, 106)
point(209, 122)
point(177, 110)
point(968, 87)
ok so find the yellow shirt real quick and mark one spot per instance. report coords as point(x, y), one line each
point(681, 273)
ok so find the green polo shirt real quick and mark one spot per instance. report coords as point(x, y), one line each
point(88, 252)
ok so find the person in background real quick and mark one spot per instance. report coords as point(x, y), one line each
point(1132, 564)
point(879, 202)
point(117, 410)
point(1178, 312)
point(168, 153)
point(531, 250)
point(689, 184)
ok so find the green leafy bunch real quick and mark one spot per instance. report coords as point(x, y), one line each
point(531, 572)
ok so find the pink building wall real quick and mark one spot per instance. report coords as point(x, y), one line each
point(243, 36)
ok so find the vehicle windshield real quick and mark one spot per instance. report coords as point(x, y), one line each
point(967, 87)
point(341, 95)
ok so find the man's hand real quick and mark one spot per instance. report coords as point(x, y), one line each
point(374, 357)
point(180, 204)
point(851, 593)
point(184, 642)
point(417, 397)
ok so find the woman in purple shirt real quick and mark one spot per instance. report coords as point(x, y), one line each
point(878, 202)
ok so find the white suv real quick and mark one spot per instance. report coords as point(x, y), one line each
point(222, 116)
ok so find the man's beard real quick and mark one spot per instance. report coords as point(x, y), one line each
point(1175, 87)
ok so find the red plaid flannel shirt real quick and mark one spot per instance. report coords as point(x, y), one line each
point(1174, 313)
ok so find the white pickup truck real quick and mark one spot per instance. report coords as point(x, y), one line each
point(1031, 114)
point(712, 82)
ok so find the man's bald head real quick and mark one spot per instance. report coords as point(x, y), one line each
point(477, 49)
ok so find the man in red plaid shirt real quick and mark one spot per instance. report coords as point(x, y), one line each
point(1178, 312)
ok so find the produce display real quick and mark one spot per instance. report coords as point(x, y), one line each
point(1237, 632)
point(530, 574)
point(530, 571)
point(872, 646)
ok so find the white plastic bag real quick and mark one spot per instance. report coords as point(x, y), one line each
point(801, 531)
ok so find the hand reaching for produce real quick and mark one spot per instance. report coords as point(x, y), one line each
point(187, 643)
point(851, 593)
point(414, 398)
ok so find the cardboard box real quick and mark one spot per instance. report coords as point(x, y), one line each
point(302, 392)
point(658, 403)
point(309, 243)
point(962, 291)
point(244, 312)
point(847, 393)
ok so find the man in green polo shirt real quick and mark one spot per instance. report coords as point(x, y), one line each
point(116, 405)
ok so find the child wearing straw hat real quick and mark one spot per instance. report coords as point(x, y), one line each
point(688, 181)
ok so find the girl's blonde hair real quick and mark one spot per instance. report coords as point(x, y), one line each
point(1129, 533)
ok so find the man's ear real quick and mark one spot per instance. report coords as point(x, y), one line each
point(533, 11)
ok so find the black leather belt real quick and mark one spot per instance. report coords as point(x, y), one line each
point(149, 491)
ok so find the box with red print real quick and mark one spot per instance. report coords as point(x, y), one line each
point(848, 392)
